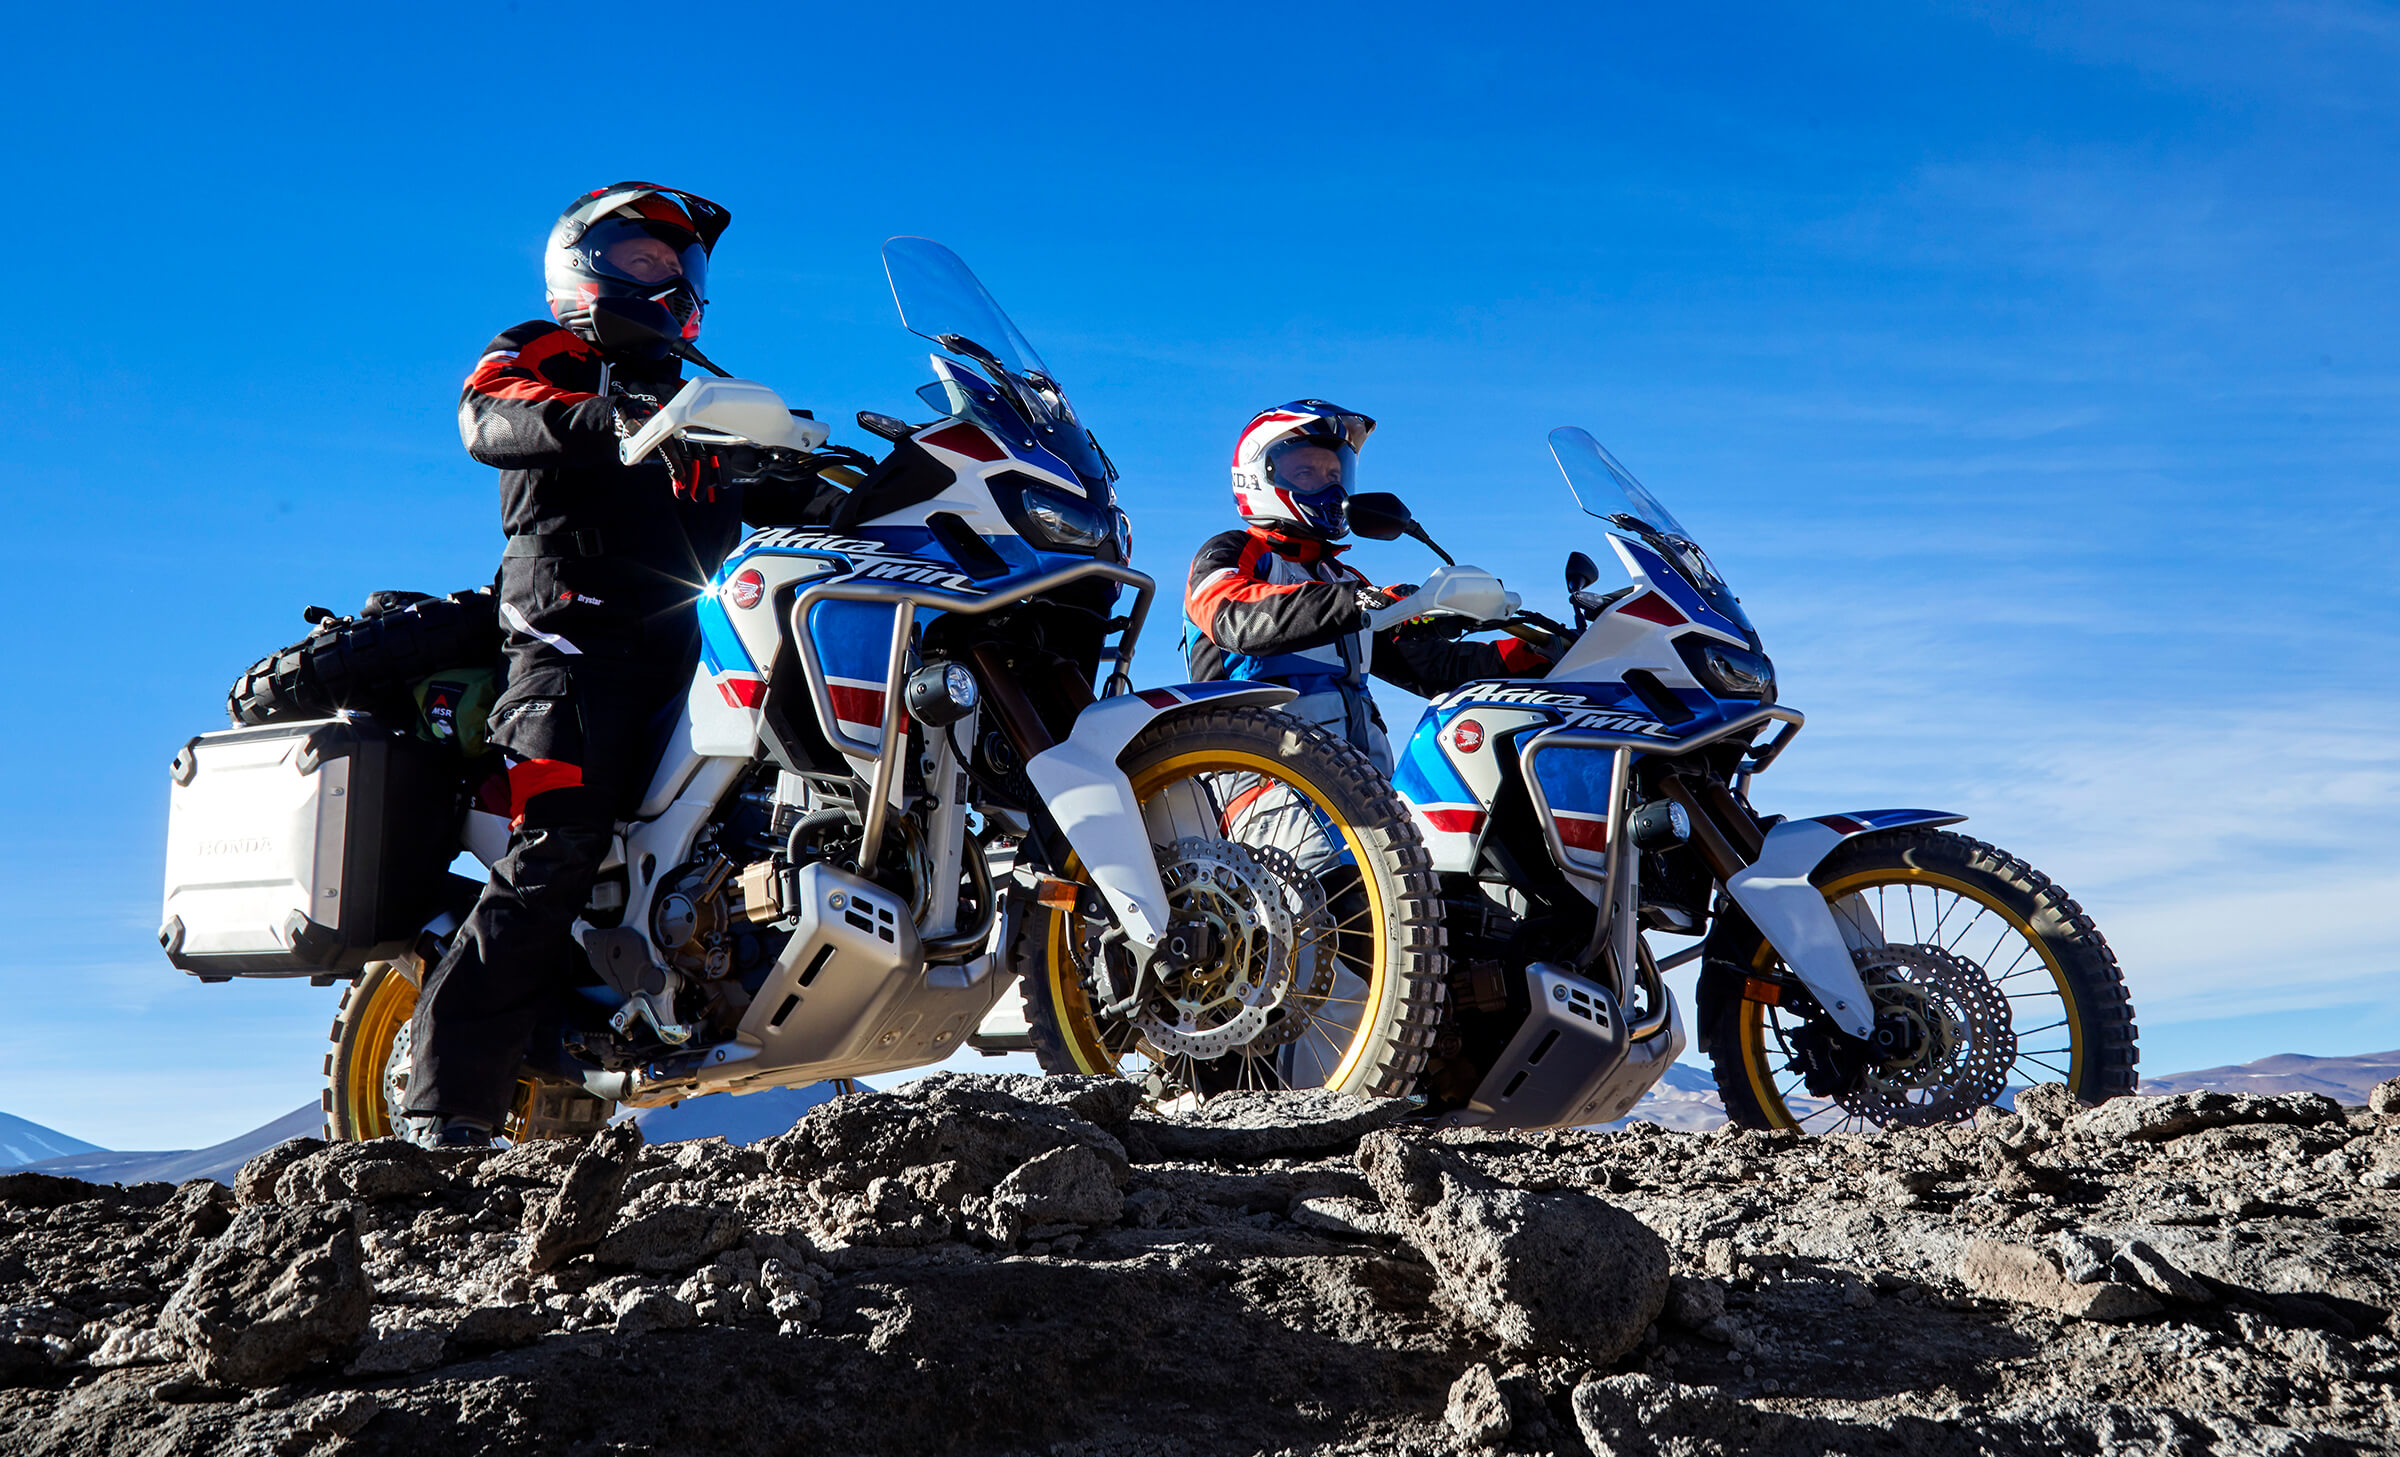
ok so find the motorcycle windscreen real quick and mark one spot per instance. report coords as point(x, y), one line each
point(941, 299)
point(1606, 490)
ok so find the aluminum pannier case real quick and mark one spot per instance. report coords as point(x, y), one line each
point(298, 849)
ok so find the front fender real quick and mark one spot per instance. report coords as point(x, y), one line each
point(1777, 896)
point(1092, 802)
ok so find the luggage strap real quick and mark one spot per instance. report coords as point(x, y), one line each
point(554, 543)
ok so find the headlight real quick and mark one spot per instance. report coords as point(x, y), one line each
point(1728, 671)
point(1050, 517)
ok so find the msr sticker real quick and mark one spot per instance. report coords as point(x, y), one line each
point(747, 589)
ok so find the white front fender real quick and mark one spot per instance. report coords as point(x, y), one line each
point(1775, 893)
point(1092, 801)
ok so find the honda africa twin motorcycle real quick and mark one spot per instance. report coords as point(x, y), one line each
point(885, 709)
point(1867, 969)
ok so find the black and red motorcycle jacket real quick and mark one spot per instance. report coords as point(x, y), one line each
point(1260, 606)
point(605, 556)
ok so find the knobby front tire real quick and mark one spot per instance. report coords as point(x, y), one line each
point(1369, 1032)
point(2070, 1012)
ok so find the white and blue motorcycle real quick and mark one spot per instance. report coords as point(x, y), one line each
point(888, 706)
point(1860, 970)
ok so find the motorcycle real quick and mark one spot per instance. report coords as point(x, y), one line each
point(1861, 970)
point(890, 769)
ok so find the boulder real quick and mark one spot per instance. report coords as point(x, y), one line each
point(2139, 1264)
point(1477, 1412)
point(2155, 1120)
point(671, 1238)
point(256, 1182)
point(2045, 1106)
point(2025, 1276)
point(1559, 1272)
point(2383, 1100)
point(384, 1168)
point(577, 1215)
point(280, 1290)
point(30, 1190)
point(1071, 1185)
point(1243, 1128)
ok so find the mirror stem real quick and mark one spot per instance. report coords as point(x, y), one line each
point(692, 353)
point(1419, 533)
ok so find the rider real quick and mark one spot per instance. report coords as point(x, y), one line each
point(603, 564)
point(1276, 603)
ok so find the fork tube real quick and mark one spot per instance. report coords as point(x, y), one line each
point(887, 762)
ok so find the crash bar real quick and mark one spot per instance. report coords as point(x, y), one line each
point(907, 597)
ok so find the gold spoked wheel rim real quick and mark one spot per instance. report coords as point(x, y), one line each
point(1254, 800)
point(376, 1038)
point(1926, 907)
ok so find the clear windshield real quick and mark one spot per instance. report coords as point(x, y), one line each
point(941, 299)
point(1605, 489)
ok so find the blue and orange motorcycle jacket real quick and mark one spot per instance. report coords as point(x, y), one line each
point(1264, 607)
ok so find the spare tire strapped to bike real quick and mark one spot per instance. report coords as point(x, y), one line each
point(373, 662)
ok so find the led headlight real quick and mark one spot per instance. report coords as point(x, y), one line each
point(1070, 522)
point(1728, 671)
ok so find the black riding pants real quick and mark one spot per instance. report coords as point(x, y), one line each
point(579, 729)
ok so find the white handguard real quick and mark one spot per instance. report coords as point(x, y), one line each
point(725, 412)
point(1450, 591)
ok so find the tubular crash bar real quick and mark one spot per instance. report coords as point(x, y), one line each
point(907, 597)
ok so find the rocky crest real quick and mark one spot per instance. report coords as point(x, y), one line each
point(996, 1265)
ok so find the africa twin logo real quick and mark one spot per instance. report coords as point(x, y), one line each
point(1574, 710)
point(869, 558)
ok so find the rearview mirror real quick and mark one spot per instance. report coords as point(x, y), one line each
point(1377, 515)
point(1582, 571)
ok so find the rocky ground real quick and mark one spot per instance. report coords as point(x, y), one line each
point(987, 1265)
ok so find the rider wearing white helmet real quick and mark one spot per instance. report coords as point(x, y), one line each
point(1275, 603)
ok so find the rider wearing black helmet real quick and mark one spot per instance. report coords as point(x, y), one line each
point(596, 586)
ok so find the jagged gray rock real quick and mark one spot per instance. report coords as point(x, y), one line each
point(2159, 1119)
point(280, 1290)
point(1251, 1127)
point(256, 1182)
point(1818, 1299)
point(672, 1238)
point(577, 1215)
point(2027, 1277)
point(1560, 1271)
point(387, 1168)
point(1477, 1411)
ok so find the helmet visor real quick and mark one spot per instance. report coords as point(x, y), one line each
point(647, 255)
point(1316, 474)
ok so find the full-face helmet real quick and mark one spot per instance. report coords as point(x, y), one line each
point(632, 240)
point(1295, 466)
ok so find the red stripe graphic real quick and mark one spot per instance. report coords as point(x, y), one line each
point(1582, 834)
point(967, 441)
point(744, 692)
point(856, 705)
point(1454, 821)
point(1650, 607)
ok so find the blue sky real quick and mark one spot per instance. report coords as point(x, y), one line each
point(2029, 370)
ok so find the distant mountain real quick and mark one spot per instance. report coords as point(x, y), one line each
point(23, 1142)
point(2343, 1079)
point(219, 1161)
point(745, 1119)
